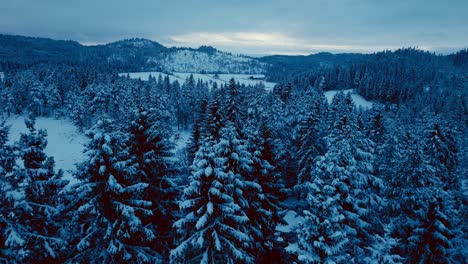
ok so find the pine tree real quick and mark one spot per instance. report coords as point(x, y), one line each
point(440, 147)
point(245, 158)
point(107, 206)
point(150, 161)
point(198, 131)
point(32, 229)
point(232, 107)
point(341, 191)
point(37, 99)
point(42, 189)
point(12, 202)
point(432, 240)
point(377, 130)
point(264, 204)
point(411, 189)
point(214, 121)
point(433, 233)
point(213, 228)
point(312, 142)
point(7, 159)
point(325, 234)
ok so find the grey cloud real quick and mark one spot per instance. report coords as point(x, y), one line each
point(359, 23)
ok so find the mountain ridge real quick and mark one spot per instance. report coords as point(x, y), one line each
point(134, 54)
point(141, 54)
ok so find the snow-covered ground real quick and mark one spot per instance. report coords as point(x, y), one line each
point(181, 138)
point(358, 100)
point(65, 142)
point(292, 219)
point(192, 60)
point(210, 78)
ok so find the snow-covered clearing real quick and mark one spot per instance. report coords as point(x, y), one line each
point(65, 142)
point(246, 79)
point(292, 219)
point(358, 100)
point(181, 138)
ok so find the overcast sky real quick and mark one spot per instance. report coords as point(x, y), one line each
point(248, 26)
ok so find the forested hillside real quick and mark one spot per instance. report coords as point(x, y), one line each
point(130, 55)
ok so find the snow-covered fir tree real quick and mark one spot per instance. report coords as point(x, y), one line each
point(413, 201)
point(312, 141)
point(42, 187)
point(198, 131)
point(32, 227)
point(214, 227)
point(12, 202)
point(107, 205)
point(151, 162)
point(264, 209)
point(341, 192)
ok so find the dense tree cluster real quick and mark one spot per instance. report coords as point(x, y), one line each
point(379, 185)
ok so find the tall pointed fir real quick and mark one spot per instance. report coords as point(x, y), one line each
point(150, 161)
point(312, 142)
point(264, 204)
point(214, 121)
point(416, 207)
point(42, 192)
point(232, 109)
point(107, 205)
point(214, 226)
point(12, 204)
point(341, 194)
point(441, 150)
point(198, 131)
point(36, 206)
point(256, 176)
point(424, 209)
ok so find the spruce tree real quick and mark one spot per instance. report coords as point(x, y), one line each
point(412, 188)
point(12, 204)
point(30, 190)
point(107, 206)
point(214, 226)
point(341, 192)
point(264, 204)
point(42, 188)
point(232, 107)
point(198, 131)
point(150, 162)
point(312, 144)
point(214, 121)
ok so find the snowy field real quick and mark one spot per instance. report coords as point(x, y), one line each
point(358, 100)
point(65, 142)
point(210, 78)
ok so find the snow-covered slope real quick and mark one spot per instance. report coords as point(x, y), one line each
point(357, 99)
point(187, 60)
point(65, 142)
